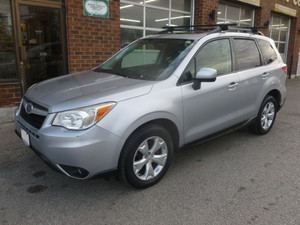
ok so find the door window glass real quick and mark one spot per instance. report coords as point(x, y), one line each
point(246, 53)
point(268, 52)
point(8, 68)
point(215, 55)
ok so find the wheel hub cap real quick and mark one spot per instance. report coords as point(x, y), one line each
point(150, 158)
point(267, 116)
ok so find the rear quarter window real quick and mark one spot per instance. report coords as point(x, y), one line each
point(268, 52)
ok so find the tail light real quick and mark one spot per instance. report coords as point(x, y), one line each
point(284, 68)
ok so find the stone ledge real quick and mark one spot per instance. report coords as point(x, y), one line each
point(7, 115)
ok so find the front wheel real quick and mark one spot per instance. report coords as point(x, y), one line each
point(266, 116)
point(146, 156)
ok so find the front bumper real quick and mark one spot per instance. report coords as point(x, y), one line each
point(78, 154)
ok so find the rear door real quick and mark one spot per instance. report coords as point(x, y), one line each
point(251, 75)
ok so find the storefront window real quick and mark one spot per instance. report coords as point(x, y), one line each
point(131, 15)
point(129, 35)
point(8, 69)
point(149, 16)
point(230, 13)
point(279, 30)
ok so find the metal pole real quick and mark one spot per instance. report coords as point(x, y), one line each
point(291, 66)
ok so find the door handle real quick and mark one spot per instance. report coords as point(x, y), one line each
point(232, 86)
point(265, 75)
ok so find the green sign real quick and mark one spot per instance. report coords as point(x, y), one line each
point(96, 8)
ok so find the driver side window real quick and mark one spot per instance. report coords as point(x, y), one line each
point(215, 54)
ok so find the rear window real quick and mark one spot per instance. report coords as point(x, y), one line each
point(269, 54)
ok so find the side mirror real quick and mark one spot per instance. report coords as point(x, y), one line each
point(204, 75)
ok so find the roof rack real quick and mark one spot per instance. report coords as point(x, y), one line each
point(212, 28)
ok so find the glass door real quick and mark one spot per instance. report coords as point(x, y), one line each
point(279, 32)
point(41, 42)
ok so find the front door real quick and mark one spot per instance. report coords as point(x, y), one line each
point(213, 107)
point(41, 42)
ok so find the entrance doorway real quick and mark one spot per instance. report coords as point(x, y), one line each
point(40, 41)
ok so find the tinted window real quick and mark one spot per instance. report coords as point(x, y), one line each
point(268, 52)
point(246, 53)
point(215, 54)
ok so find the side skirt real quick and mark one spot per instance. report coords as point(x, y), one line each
point(219, 134)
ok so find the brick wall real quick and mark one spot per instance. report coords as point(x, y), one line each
point(203, 10)
point(91, 40)
point(10, 95)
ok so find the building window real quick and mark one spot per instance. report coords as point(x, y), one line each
point(230, 13)
point(145, 17)
point(8, 69)
point(279, 32)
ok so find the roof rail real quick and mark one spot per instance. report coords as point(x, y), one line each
point(254, 30)
point(212, 28)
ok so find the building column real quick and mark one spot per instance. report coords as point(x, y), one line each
point(203, 10)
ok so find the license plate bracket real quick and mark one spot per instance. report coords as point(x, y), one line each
point(25, 137)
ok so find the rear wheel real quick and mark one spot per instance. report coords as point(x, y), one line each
point(266, 116)
point(146, 156)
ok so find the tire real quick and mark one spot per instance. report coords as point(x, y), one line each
point(266, 116)
point(146, 156)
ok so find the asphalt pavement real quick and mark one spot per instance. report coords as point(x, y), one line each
point(240, 178)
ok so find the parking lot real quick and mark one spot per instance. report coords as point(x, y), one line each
point(239, 178)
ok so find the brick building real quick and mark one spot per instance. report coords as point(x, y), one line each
point(48, 38)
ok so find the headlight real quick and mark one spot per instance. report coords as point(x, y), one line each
point(82, 118)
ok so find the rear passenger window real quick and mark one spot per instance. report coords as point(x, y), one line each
point(246, 53)
point(269, 54)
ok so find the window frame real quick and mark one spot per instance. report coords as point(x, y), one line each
point(233, 63)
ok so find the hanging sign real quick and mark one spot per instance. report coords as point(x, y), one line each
point(98, 8)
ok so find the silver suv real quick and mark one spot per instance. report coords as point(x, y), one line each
point(156, 95)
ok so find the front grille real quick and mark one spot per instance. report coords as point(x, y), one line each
point(33, 119)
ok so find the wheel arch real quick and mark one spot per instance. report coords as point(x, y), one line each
point(275, 94)
point(167, 124)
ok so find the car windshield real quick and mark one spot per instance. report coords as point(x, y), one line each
point(148, 59)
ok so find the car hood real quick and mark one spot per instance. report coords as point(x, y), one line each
point(84, 89)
